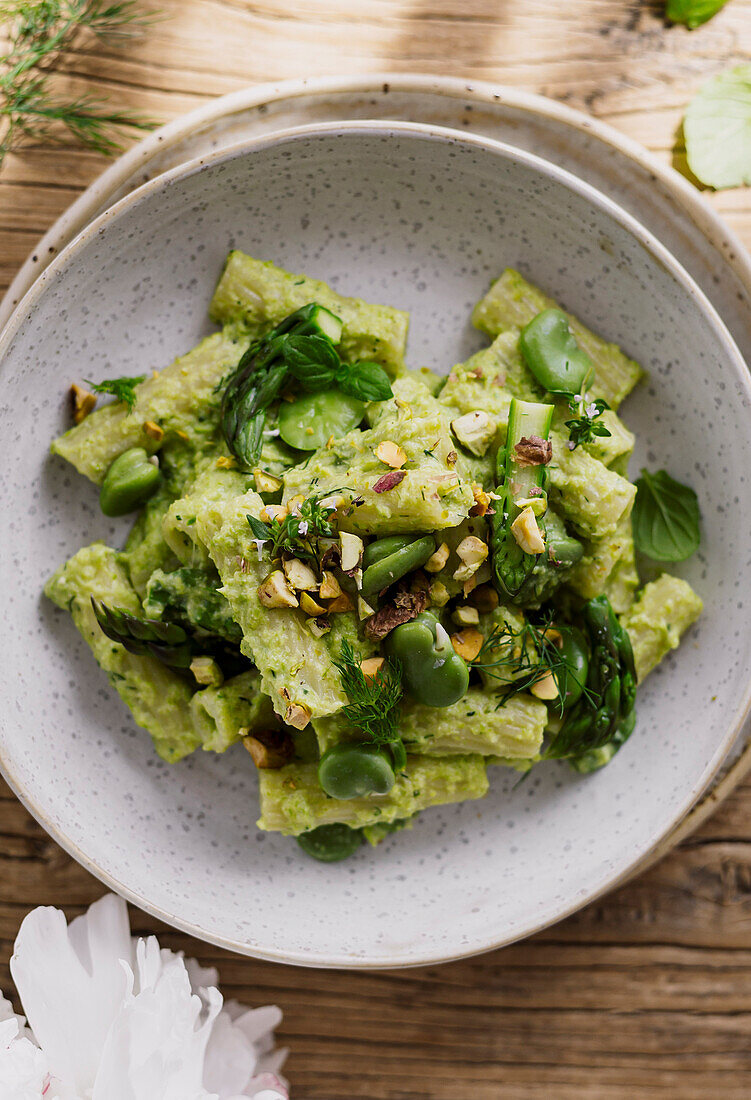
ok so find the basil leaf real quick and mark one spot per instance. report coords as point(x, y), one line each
point(364, 380)
point(692, 12)
point(666, 517)
point(312, 360)
point(260, 529)
point(717, 129)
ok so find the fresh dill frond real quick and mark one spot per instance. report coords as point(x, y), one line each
point(122, 389)
point(373, 706)
point(40, 31)
point(528, 654)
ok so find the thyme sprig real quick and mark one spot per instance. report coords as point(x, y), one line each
point(586, 423)
point(40, 32)
point(299, 531)
point(528, 654)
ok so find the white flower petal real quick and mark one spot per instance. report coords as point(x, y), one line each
point(72, 984)
point(156, 1047)
point(24, 1072)
point(201, 977)
point(123, 1019)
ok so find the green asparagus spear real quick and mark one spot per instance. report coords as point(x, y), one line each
point(521, 475)
point(603, 715)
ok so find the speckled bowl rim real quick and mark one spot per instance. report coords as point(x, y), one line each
point(83, 209)
point(658, 252)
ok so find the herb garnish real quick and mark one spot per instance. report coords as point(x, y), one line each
point(666, 517)
point(40, 31)
point(122, 389)
point(529, 654)
point(297, 350)
point(373, 706)
point(586, 424)
point(299, 532)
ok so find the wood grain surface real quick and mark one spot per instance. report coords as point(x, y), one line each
point(646, 993)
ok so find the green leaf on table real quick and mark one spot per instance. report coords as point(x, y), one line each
point(692, 12)
point(666, 517)
point(717, 129)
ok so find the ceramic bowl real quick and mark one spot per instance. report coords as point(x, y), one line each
point(423, 218)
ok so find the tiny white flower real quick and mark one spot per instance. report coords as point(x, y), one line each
point(591, 410)
point(302, 527)
point(578, 397)
point(571, 445)
point(260, 543)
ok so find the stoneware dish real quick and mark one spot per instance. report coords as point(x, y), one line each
point(423, 218)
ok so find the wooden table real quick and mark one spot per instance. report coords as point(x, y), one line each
point(647, 992)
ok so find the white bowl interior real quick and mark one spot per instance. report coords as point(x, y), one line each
point(418, 219)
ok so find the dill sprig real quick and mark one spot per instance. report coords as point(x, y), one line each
point(40, 32)
point(528, 654)
point(122, 389)
point(374, 701)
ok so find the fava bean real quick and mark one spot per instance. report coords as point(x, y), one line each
point(129, 482)
point(553, 355)
point(432, 672)
point(352, 770)
point(330, 843)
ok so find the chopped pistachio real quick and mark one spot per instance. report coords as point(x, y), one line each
point(266, 483)
point(475, 431)
point(340, 604)
point(527, 533)
point(153, 431)
point(272, 512)
point(436, 561)
point(300, 575)
point(545, 687)
point(352, 548)
point(466, 616)
point(310, 607)
point(439, 594)
point(297, 715)
point(391, 454)
point(371, 666)
point(84, 402)
point(206, 671)
point(467, 643)
point(472, 552)
point(276, 592)
point(364, 610)
point(330, 587)
point(318, 627)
